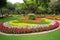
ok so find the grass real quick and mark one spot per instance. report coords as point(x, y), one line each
point(49, 36)
point(22, 21)
point(9, 18)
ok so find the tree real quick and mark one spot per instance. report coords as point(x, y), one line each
point(40, 5)
point(10, 7)
point(2, 4)
point(30, 5)
point(20, 8)
point(56, 7)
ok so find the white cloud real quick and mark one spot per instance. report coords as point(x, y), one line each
point(14, 1)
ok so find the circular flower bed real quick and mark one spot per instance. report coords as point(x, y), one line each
point(15, 27)
point(29, 24)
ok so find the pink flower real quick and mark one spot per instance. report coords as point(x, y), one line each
point(45, 28)
point(1, 25)
point(32, 29)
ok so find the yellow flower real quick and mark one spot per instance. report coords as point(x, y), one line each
point(13, 23)
point(47, 20)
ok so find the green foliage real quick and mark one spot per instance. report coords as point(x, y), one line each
point(39, 6)
point(32, 17)
point(29, 6)
point(20, 8)
point(56, 7)
point(3, 3)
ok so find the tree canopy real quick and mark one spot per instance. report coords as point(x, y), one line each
point(3, 3)
point(34, 5)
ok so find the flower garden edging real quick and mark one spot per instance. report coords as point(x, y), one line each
point(30, 33)
point(44, 32)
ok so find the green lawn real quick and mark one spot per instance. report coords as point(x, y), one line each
point(22, 21)
point(49, 36)
point(9, 18)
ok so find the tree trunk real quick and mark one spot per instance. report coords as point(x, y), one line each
point(1, 16)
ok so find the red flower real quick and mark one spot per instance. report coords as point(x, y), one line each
point(1, 25)
point(45, 28)
point(32, 28)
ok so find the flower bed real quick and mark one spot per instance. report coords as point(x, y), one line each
point(29, 24)
point(21, 30)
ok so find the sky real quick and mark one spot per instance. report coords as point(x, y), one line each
point(14, 1)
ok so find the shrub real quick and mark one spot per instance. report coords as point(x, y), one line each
point(32, 17)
